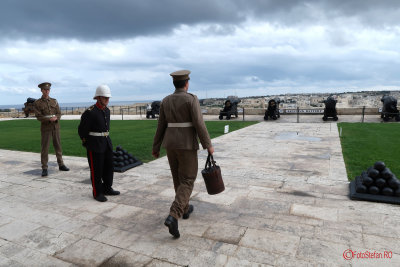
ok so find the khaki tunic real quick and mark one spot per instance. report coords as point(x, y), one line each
point(181, 144)
point(44, 109)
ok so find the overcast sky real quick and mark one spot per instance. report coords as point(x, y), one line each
point(232, 47)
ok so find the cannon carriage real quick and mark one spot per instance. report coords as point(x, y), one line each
point(272, 109)
point(153, 109)
point(330, 109)
point(230, 109)
point(389, 108)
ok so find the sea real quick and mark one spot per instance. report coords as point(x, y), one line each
point(82, 104)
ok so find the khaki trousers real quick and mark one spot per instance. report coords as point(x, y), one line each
point(46, 136)
point(184, 167)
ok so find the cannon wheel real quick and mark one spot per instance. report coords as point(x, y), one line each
point(335, 118)
point(397, 118)
point(153, 115)
point(324, 118)
point(385, 118)
point(274, 117)
point(228, 117)
point(221, 117)
point(26, 114)
point(236, 114)
point(266, 118)
point(147, 116)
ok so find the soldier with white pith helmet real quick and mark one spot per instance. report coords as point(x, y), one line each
point(94, 132)
point(47, 111)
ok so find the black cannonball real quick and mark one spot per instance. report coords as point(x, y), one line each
point(120, 158)
point(379, 165)
point(130, 156)
point(119, 152)
point(373, 190)
point(373, 173)
point(124, 151)
point(121, 164)
point(126, 157)
point(380, 183)
point(387, 174)
point(366, 180)
point(131, 161)
point(397, 193)
point(118, 148)
point(361, 189)
point(394, 183)
point(115, 163)
point(126, 162)
point(387, 191)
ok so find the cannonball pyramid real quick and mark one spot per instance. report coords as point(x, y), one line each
point(122, 160)
point(377, 184)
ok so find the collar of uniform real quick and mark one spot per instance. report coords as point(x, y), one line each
point(47, 99)
point(100, 106)
point(180, 90)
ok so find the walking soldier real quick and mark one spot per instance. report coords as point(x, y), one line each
point(48, 113)
point(179, 124)
point(94, 132)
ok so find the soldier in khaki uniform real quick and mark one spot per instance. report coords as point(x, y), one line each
point(179, 125)
point(48, 113)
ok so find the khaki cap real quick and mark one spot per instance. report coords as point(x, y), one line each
point(180, 75)
point(45, 85)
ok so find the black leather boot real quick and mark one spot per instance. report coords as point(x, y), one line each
point(172, 225)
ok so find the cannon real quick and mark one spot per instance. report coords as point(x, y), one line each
point(29, 106)
point(272, 109)
point(230, 109)
point(389, 109)
point(330, 109)
point(153, 109)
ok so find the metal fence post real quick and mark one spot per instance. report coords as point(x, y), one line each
point(298, 115)
point(363, 112)
point(243, 114)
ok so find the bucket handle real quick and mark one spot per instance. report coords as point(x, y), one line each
point(210, 162)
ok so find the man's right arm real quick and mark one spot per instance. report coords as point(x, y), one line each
point(84, 127)
point(200, 126)
point(38, 112)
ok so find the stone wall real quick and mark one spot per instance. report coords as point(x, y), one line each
point(260, 111)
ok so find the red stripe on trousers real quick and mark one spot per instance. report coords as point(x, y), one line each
point(92, 173)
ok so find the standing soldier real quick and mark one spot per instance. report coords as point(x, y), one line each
point(179, 125)
point(94, 132)
point(48, 113)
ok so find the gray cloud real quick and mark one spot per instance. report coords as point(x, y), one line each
point(94, 20)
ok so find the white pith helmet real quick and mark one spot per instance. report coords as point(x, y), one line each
point(102, 90)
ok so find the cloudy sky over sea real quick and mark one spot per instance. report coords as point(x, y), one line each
point(232, 47)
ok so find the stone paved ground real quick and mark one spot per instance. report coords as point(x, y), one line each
point(285, 204)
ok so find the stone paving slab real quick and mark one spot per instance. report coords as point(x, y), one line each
point(286, 204)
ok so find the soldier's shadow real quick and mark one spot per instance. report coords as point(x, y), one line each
point(38, 172)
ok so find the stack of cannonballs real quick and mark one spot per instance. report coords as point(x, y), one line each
point(378, 180)
point(122, 160)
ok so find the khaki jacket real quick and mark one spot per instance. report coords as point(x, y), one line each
point(177, 108)
point(44, 108)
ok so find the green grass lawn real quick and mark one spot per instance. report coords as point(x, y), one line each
point(134, 136)
point(365, 143)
